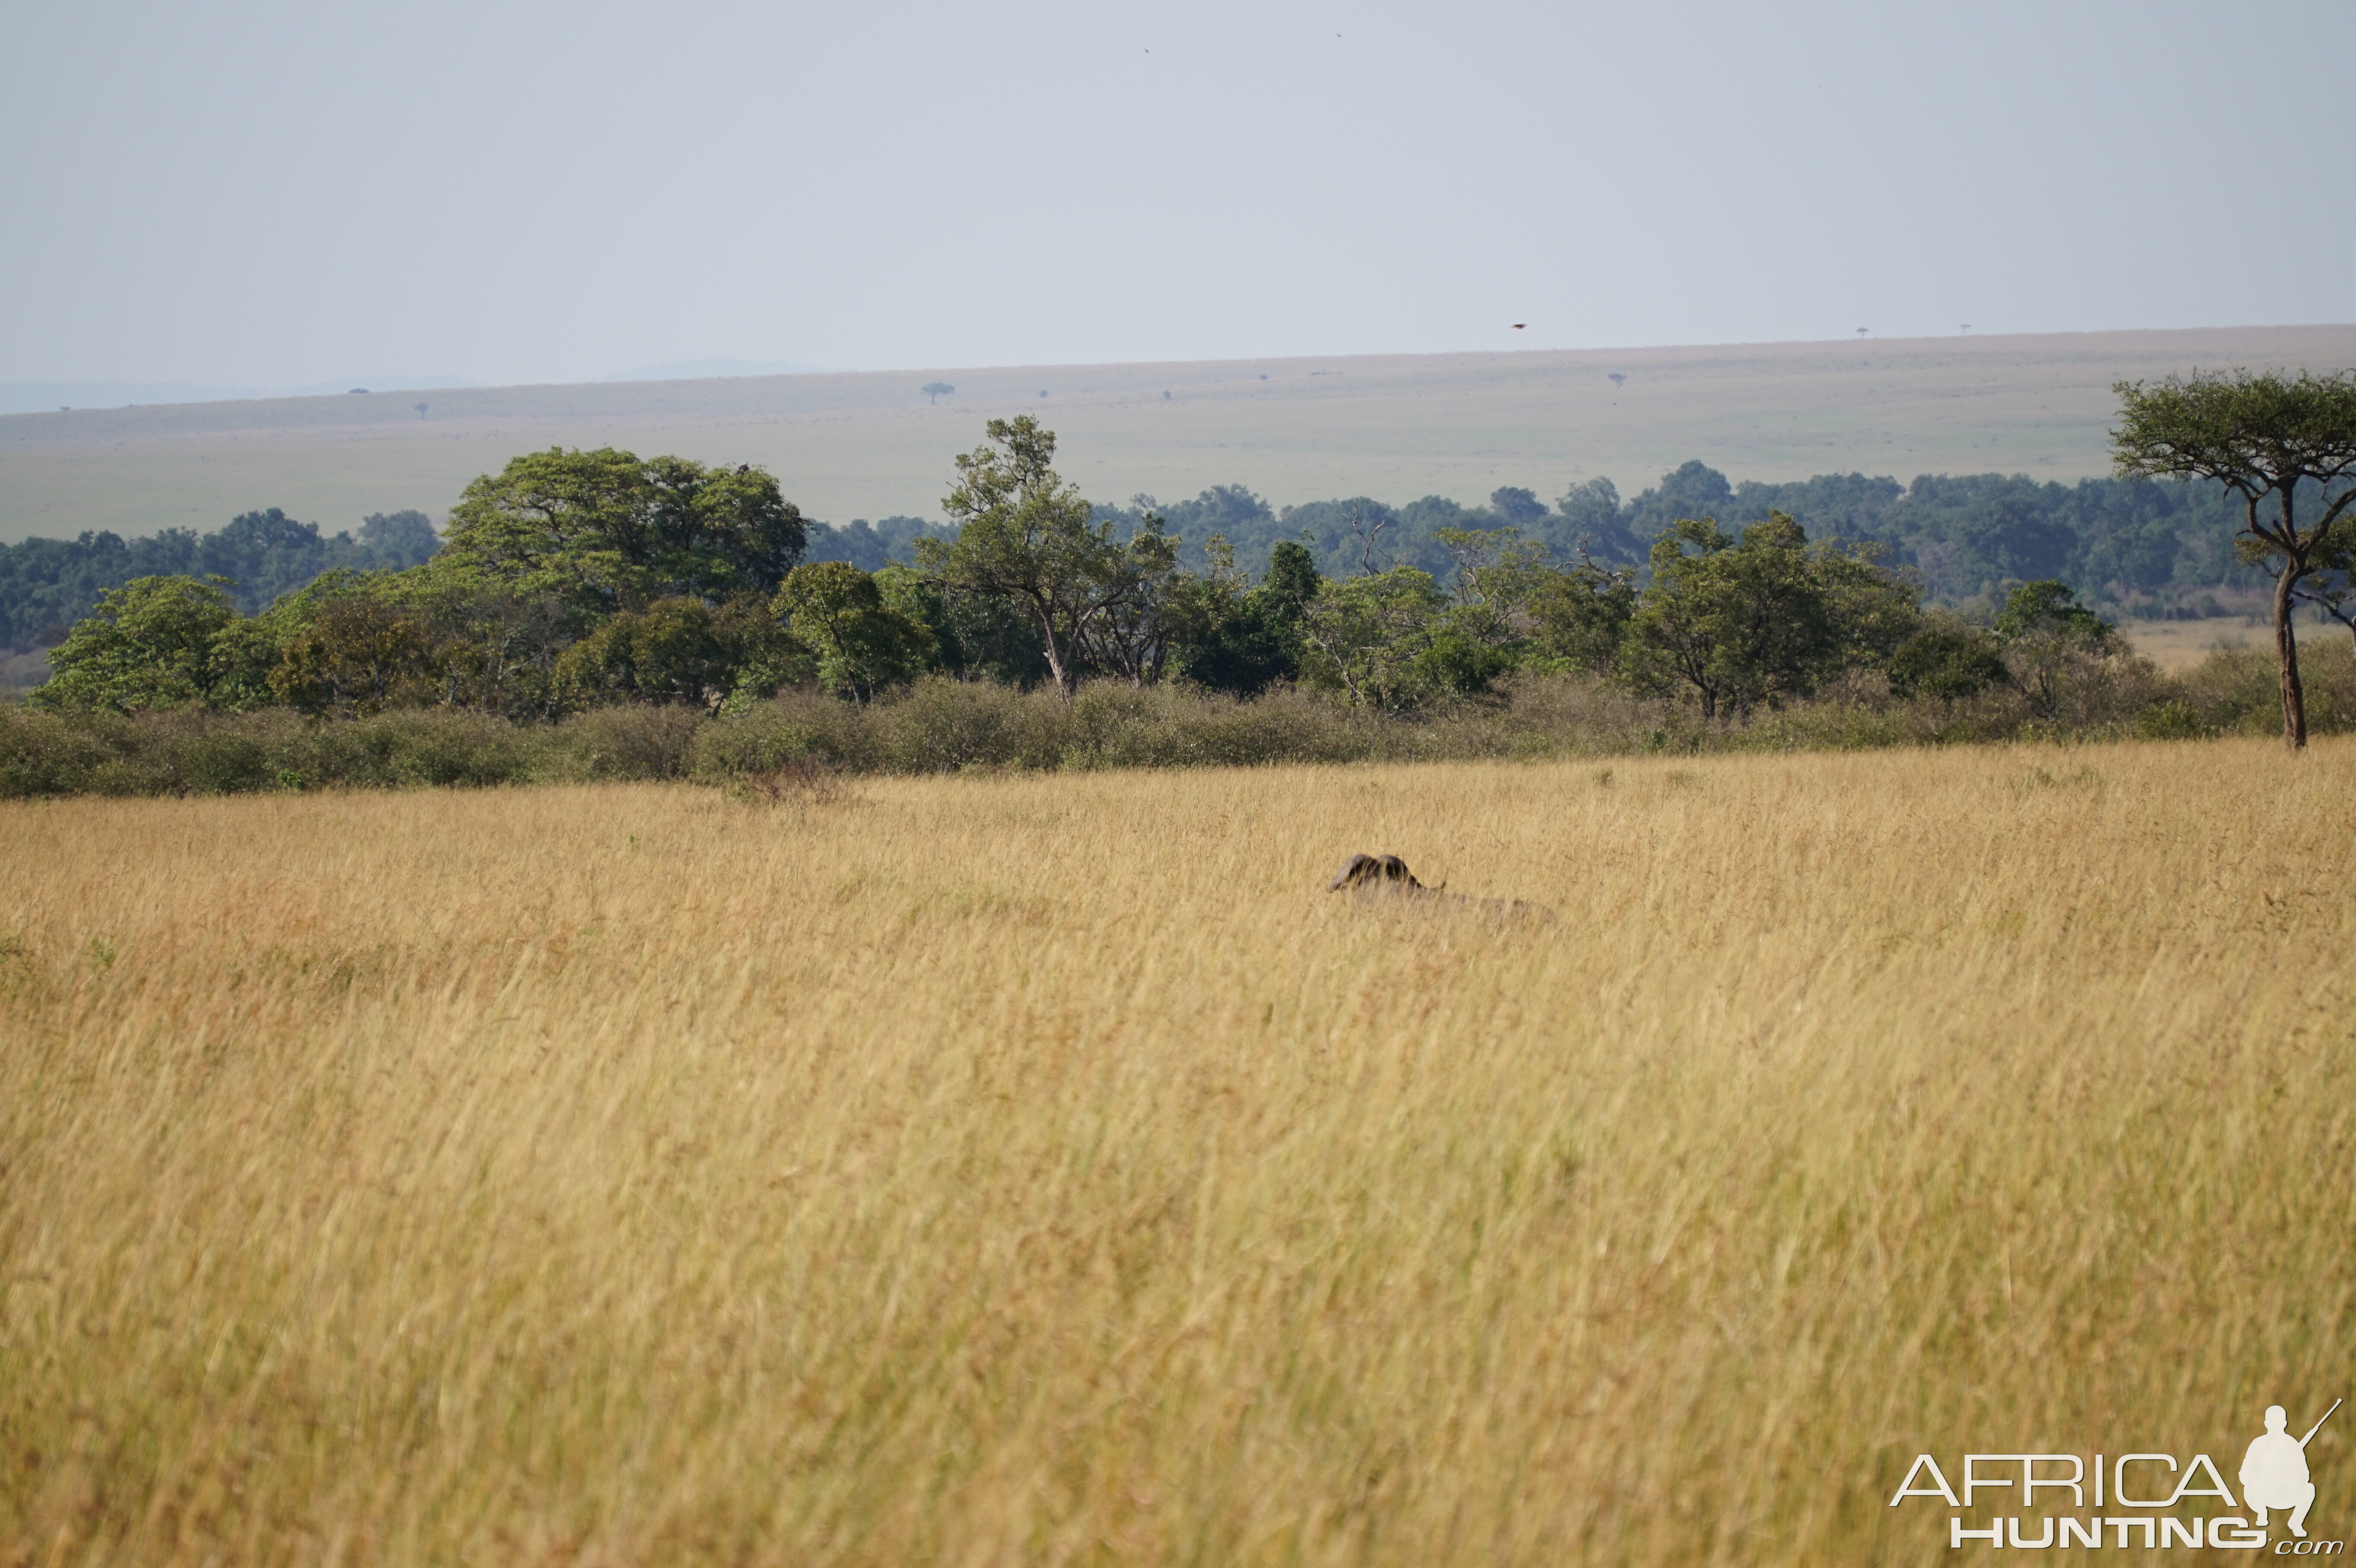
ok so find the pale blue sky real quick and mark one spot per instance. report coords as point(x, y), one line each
point(279, 193)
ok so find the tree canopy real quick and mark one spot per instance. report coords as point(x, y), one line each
point(1759, 619)
point(46, 585)
point(1028, 538)
point(575, 579)
point(158, 642)
point(864, 645)
point(2273, 441)
point(607, 532)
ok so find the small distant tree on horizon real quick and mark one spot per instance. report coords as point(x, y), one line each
point(936, 390)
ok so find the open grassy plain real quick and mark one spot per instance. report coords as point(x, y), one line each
point(2180, 645)
point(1019, 1169)
point(868, 444)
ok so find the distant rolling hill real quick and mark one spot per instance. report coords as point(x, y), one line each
point(870, 443)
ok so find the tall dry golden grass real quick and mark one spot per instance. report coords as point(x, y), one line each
point(1018, 1170)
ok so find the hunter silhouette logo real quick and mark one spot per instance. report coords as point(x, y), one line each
point(2274, 1472)
point(2274, 1478)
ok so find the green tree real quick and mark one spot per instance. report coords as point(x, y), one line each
point(492, 647)
point(1517, 508)
point(351, 652)
point(1875, 610)
point(1292, 579)
point(501, 648)
point(159, 642)
point(864, 645)
point(2045, 633)
point(1487, 626)
point(1593, 521)
point(1207, 616)
point(1372, 637)
point(1237, 638)
point(1498, 574)
point(1579, 616)
point(392, 541)
point(1134, 637)
point(605, 531)
point(909, 592)
point(1948, 659)
point(1026, 539)
point(2264, 437)
point(1759, 620)
point(680, 649)
point(974, 636)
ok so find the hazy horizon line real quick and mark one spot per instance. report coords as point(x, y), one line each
point(41, 395)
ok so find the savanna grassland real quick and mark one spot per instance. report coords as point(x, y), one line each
point(2177, 646)
point(1023, 1169)
point(867, 443)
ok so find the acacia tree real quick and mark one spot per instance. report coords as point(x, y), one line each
point(2262, 437)
point(1026, 539)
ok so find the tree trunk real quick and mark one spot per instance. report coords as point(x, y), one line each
point(1064, 664)
point(2294, 699)
point(1058, 657)
point(1067, 683)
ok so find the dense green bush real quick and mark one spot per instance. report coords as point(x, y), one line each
point(2237, 691)
point(194, 753)
point(941, 725)
point(629, 743)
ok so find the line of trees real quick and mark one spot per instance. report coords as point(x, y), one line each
point(2162, 551)
point(2141, 549)
point(46, 585)
point(574, 579)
